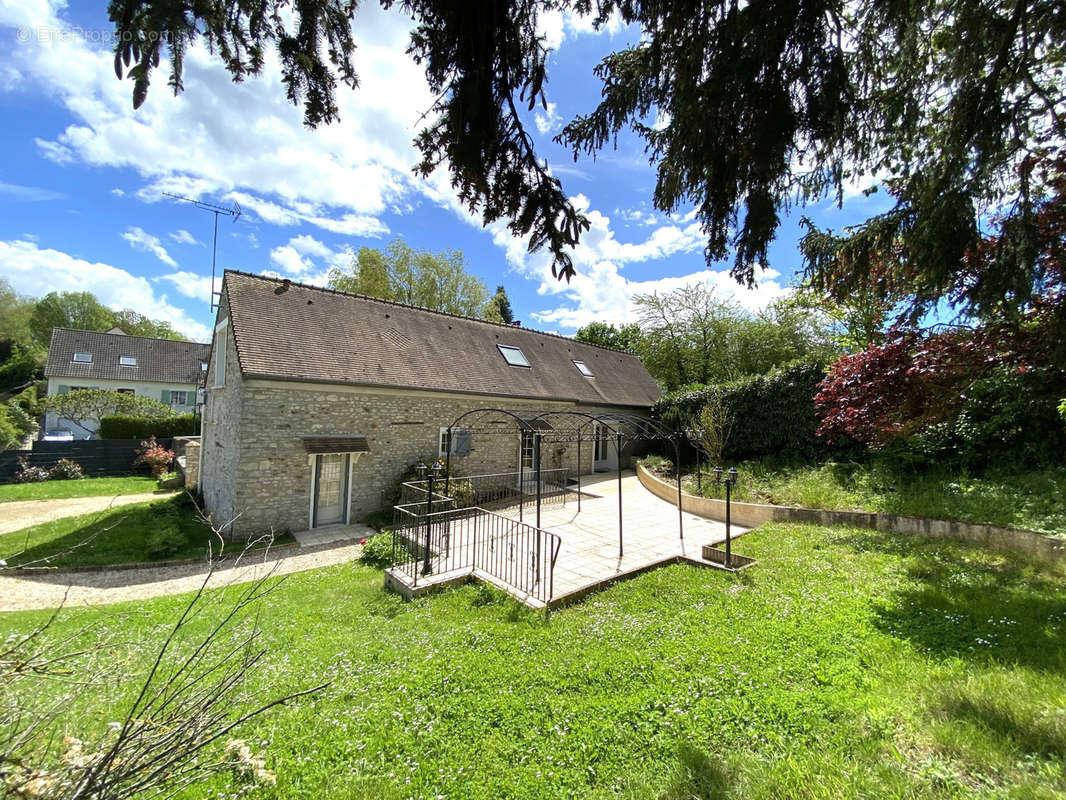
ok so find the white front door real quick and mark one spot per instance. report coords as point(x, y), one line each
point(331, 489)
point(604, 452)
point(527, 475)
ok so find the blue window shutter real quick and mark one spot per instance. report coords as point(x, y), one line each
point(166, 396)
point(63, 390)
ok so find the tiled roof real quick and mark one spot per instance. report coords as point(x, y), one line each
point(158, 360)
point(291, 331)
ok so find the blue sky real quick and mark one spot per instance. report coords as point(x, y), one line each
point(82, 181)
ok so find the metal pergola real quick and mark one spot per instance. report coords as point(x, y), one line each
point(619, 427)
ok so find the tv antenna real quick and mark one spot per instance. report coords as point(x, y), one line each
point(234, 212)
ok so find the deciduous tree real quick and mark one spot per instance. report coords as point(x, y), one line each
point(438, 281)
point(79, 310)
point(605, 334)
point(85, 407)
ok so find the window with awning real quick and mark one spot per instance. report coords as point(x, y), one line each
point(341, 443)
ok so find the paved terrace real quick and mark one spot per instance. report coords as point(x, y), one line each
point(588, 558)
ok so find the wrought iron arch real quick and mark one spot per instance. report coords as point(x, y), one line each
point(567, 425)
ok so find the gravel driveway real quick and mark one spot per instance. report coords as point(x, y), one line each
point(47, 589)
point(21, 514)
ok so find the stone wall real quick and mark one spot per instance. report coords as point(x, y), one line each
point(274, 473)
point(187, 454)
point(1050, 549)
point(221, 434)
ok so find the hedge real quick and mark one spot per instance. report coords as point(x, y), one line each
point(123, 426)
point(773, 414)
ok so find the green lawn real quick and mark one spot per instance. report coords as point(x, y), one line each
point(159, 530)
point(846, 664)
point(1035, 500)
point(86, 487)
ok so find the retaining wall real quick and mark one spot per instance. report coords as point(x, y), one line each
point(749, 515)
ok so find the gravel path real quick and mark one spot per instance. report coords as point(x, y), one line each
point(21, 514)
point(45, 589)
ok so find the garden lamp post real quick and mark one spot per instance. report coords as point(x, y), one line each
point(432, 472)
point(729, 479)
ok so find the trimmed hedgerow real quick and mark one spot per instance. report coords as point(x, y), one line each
point(123, 426)
point(773, 414)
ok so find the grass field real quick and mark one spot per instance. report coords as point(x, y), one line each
point(86, 487)
point(162, 529)
point(846, 664)
point(1034, 500)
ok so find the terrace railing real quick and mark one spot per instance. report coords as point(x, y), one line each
point(495, 491)
point(519, 557)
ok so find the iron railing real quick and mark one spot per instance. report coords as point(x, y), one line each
point(495, 491)
point(518, 556)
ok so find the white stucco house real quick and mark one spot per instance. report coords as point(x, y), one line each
point(162, 369)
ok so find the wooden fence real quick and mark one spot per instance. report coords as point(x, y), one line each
point(98, 457)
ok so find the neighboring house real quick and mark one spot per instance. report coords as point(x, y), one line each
point(162, 369)
point(317, 401)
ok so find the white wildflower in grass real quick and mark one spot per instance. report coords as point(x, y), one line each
point(247, 765)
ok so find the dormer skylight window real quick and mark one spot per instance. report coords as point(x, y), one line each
point(583, 368)
point(203, 366)
point(127, 361)
point(513, 355)
point(83, 358)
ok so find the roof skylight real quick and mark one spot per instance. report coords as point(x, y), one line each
point(582, 367)
point(127, 361)
point(513, 355)
point(83, 358)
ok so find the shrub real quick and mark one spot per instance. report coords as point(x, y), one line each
point(377, 552)
point(66, 470)
point(166, 538)
point(1005, 419)
point(15, 425)
point(157, 457)
point(660, 464)
point(28, 474)
point(462, 491)
point(772, 415)
point(124, 426)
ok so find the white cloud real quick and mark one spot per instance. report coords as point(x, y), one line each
point(555, 27)
point(35, 272)
point(635, 216)
point(29, 194)
point(118, 192)
point(548, 120)
point(288, 259)
point(54, 151)
point(303, 255)
point(309, 246)
point(198, 287)
point(600, 291)
point(140, 239)
point(249, 141)
point(182, 236)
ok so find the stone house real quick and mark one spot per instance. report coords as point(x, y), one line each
point(162, 369)
point(318, 401)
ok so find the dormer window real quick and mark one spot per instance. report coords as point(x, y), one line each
point(127, 361)
point(83, 358)
point(203, 366)
point(582, 367)
point(513, 355)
